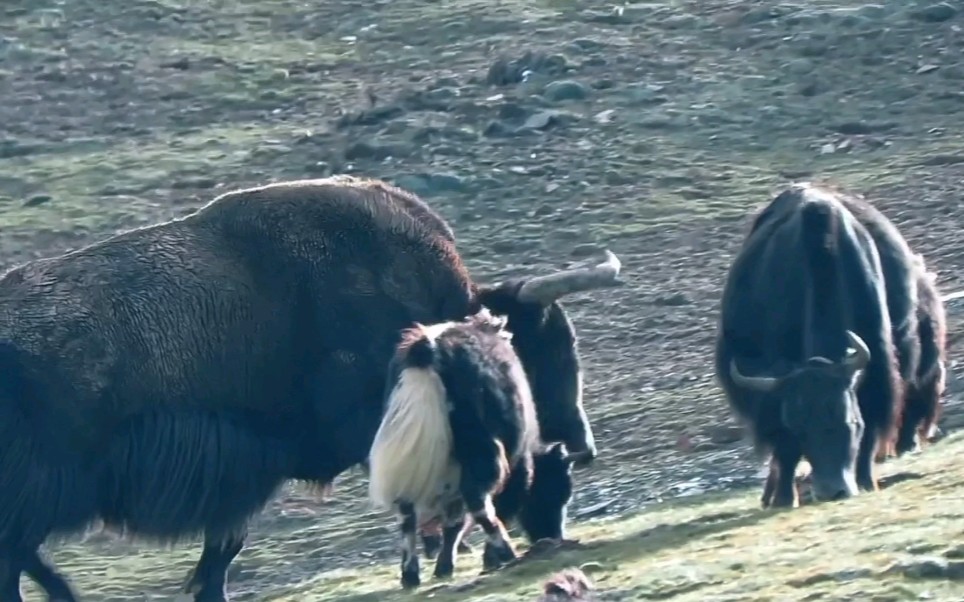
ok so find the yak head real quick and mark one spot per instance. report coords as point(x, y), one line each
point(544, 511)
point(545, 341)
point(818, 405)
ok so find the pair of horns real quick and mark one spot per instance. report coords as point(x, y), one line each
point(857, 358)
point(549, 288)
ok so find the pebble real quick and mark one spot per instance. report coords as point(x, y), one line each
point(430, 184)
point(566, 89)
point(37, 199)
point(935, 13)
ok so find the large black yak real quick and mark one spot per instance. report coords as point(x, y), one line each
point(819, 337)
point(168, 379)
point(460, 425)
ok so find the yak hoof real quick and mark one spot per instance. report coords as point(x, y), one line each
point(783, 502)
point(410, 579)
point(211, 596)
point(444, 570)
point(494, 557)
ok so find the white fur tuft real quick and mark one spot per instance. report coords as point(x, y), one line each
point(411, 457)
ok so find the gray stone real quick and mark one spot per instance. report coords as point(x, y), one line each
point(430, 184)
point(566, 89)
point(935, 13)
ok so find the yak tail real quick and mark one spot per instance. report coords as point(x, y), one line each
point(411, 456)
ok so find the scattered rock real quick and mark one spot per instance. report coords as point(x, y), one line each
point(683, 21)
point(13, 148)
point(512, 111)
point(944, 159)
point(181, 64)
point(586, 44)
point(856, 128)
point(586, 250)
point(37, 200)
point(725, 434)
point(498, 129)
point(372, 151)
point(801, 66)
point(372, 116)
point(564, 90)
point(504, 72)
point(677, 299)
point(935, 13)
point(430, 184)
point(199, 182)
point(543, 120)
point(928, 567)
point(645, 93)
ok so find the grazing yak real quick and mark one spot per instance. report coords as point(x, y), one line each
point(818, 338)
point(168, 379)
point(459, 427)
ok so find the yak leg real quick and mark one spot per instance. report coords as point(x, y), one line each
point(431, 534)
point(407, 526)
point(52, 583)
point(48, 579)
point(865, 461)
point(782, 487)
point(464, 546)
point(207, 581)
point(498, 550)
point(451, 534)
point(10, 569)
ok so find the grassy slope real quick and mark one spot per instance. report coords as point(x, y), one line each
point(904, 543)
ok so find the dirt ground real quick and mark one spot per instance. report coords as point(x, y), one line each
point(543, 131)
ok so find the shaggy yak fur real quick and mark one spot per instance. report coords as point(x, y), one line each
point(460, 425)
point(823, 305)
point(168, 379)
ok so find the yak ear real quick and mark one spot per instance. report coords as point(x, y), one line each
point(501, 298)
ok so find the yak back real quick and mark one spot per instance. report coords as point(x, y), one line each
point(898, 264)
point(488, 392)
point(230, 308)
point(807, 272)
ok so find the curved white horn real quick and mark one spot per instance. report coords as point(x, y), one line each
point(753, 383)
point(548, 288)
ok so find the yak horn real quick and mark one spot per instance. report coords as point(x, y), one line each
point(578, 456)
point(860, 357)
point(546, 289)
point(754, 383)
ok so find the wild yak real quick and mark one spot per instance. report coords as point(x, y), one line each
point(168, 379)
point(924, 391)
point(459, 427)
point(820, 306)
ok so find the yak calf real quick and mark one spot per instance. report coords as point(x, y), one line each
point(460, 427)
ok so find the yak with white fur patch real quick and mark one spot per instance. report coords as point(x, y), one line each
point(460, 425)
point(168, 379)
